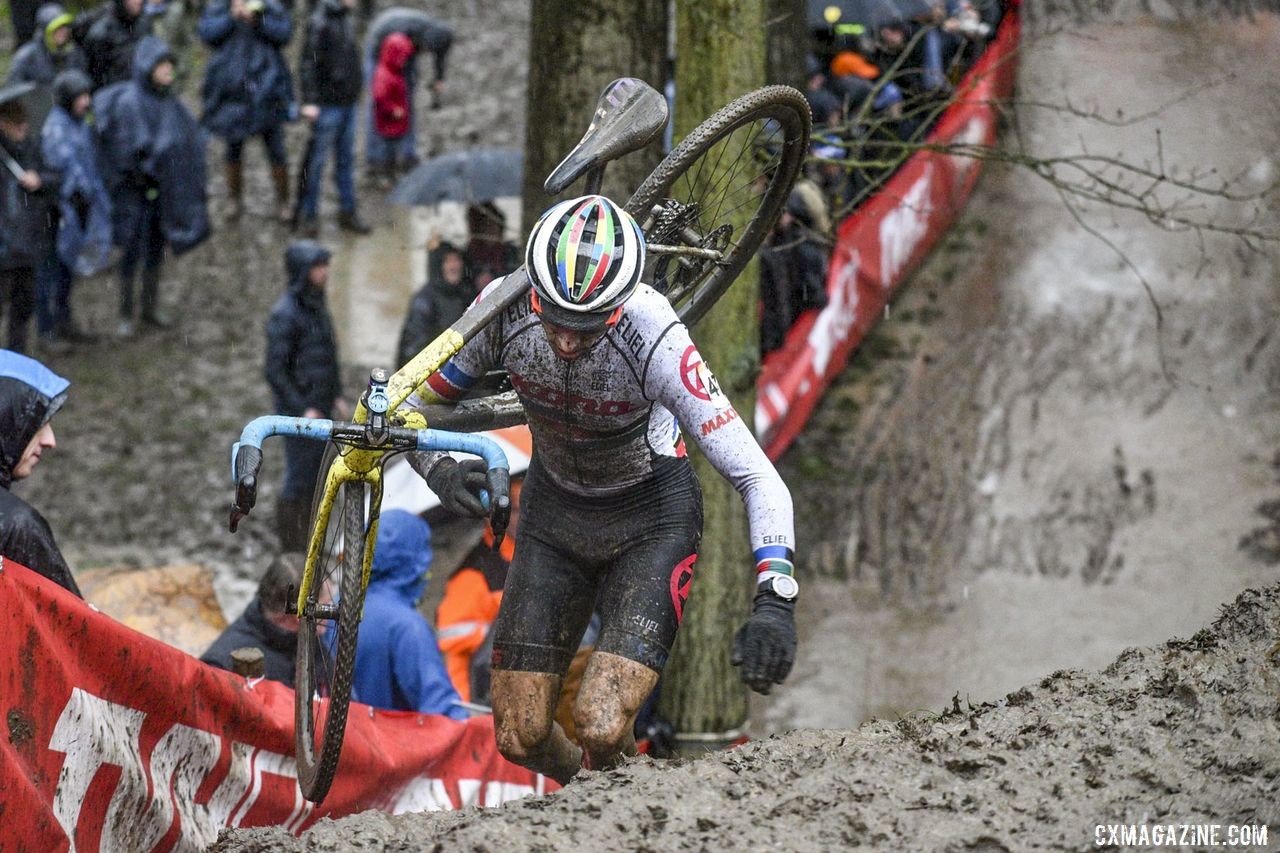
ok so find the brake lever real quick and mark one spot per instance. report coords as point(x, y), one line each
point(499, 504)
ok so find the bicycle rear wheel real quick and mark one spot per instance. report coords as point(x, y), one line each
point(327, 638)
point(712, 201)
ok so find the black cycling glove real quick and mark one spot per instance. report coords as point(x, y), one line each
point(458, 485)
point(765, 647)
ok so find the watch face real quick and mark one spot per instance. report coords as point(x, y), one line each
point(785, 587)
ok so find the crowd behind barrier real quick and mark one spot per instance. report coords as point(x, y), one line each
point(128, 188)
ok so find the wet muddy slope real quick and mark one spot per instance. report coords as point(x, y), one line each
point(1185, 732)
point(1021, 471)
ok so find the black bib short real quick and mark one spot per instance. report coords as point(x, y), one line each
point(631, 555)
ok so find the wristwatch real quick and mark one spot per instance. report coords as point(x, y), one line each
point(783, 586)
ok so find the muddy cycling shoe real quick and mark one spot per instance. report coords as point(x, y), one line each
point(765, 647)
point(458, 485)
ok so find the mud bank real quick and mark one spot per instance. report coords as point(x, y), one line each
point(1186, 732)
point(1030, 466)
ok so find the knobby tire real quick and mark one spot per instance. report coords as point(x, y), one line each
point(782, 105)
point(316, 768)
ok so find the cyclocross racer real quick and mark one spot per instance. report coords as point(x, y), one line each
point(611, 512)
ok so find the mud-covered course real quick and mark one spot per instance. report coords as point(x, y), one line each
point(1063, 441)
point(1179, 734)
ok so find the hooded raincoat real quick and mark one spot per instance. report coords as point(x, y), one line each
point(151, 143)
point(67, 145)
point(247, 85)
point(390, 90)
point(38, 61)
point(111, 41)
point(398, 664)
point(424, 31)
point(30, 394)
point(302, 352)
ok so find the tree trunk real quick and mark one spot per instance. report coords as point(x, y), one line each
point(575, 50)
point(786, 42)
point(719, 55)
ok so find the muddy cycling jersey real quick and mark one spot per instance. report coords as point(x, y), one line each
point(601, 422)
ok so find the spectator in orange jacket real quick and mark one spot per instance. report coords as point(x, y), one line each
point(471, 599)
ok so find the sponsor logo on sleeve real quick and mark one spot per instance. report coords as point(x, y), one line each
point(728, 416)
point(698, 379)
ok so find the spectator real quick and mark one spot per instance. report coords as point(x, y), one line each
point(823, 104)
point(438, 303)
point(30, 395)
point(166, 20)
point(112, 37)
point(471, 599)
point(302, 369)
point(83, 243)
point(391, 106)
point(22, 15)
point(793, 273)
point(398, 665)
point(27, 190)
point(264, 624)
point(153, 156)
point(248, 90)
point(488, 254)
point(426, 34)
point(917, 56)
point(331, 81)
point(49, 51)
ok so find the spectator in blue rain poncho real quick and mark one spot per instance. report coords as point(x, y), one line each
point(153, 156)
point(83, 243)
point(398, 664)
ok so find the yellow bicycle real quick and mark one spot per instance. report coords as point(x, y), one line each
point(704, 210)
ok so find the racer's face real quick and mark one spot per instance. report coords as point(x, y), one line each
point(567, 343)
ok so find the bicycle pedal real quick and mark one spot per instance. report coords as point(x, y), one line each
point(291, 600)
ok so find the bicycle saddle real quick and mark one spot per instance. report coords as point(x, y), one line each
point(629, 115)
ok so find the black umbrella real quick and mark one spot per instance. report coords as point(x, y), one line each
point(37, 99)
point(836, 14)
point(476, 175)
point(14, 91)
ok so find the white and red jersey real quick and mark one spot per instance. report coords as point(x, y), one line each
point(600, 422)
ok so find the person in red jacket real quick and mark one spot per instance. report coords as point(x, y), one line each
point(391, 94)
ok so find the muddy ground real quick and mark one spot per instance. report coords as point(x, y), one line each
point(1186, 732)
point(1020, 473)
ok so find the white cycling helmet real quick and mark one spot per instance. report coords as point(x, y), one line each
point(584, 259)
